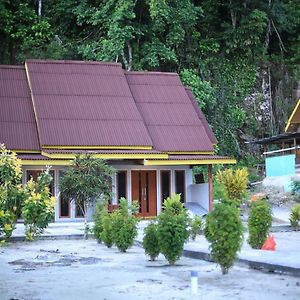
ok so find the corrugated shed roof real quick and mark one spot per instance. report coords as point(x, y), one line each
point(85, 104)
point(17, 122)
point(171, 118)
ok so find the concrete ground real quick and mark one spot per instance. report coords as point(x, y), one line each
point(79, 269)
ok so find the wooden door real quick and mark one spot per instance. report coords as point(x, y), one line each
point(143, 187)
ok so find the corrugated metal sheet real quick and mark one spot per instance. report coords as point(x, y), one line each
point(85, 104)
point(76, 151)
point(17, 122)
point(171, 118)
point(201, 117)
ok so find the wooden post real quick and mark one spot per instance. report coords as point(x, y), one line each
point(210, 187)
point(295, 146)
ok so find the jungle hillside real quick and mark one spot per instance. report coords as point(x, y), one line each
point(240, 58)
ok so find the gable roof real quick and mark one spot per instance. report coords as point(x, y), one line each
point(294, 119)
point(95, 105)
point(84, 104)
point(171, 119)
point(17, 122)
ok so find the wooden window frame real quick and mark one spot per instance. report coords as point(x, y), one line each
point(59, 209)
point(184, 183)
point(117, 183)
point(161, 190)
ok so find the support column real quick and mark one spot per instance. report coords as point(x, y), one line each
point(210, 187)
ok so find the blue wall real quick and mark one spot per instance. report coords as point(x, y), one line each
point(280, 165)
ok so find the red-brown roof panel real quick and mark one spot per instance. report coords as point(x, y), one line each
point(171, 119)
point(18, 129)
point(180, 138)
point(85, 104)
point(86, 132)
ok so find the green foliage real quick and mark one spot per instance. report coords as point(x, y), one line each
point(224, 231)
point(100, 213)
point(86, 181)
point(38, 209)
point(124, 226)
point(295, 187)
point(234, 183)
point(172, 229)
point(106, 234)
point(12, 194)
point(151, 241)
point(196, 227)
point(295, 216)
point(259, 223)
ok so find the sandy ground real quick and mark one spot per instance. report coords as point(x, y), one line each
point(78, 269)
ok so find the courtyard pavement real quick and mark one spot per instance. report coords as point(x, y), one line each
point(285, 259)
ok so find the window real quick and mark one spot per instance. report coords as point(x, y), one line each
point(64, 203)
point(180, 184)
point(121, 185)
point(165, 180)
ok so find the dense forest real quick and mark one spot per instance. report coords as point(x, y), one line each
point(240, 57)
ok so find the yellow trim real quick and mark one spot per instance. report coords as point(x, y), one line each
point(192, 152)
point(27, 151)
point(32, 162)
point(109, 155)
point(291, 116)
point(99, 147)
point(189, 162)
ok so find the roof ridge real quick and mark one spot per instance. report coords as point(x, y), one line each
point(150, 73)
point(90, 62)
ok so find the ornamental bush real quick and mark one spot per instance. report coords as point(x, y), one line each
point(196, 227)
point(12, 194)
point(224, 231)
point(150, 241)
point(38, 209)
point(106, 234)
point(295, 216)
point(124, 225)
point(234, 183)
point(172, 229)
point(100, 213)
point(259, 223)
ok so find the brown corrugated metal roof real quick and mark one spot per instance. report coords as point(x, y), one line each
point(172, 121)
point(201, 117)
point(85, 104)
point(17, 122)
point(98, 104)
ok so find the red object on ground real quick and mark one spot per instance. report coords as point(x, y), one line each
point(269, 244)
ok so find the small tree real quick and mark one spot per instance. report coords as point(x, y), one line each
point(259, 223)
point(12, 194)
point(106, 234)
point(224, 230)
point(87, 180)
point(124, 225)
point(100, 213)
point(38, 209)
point(172, 229)
point(234, 184)
point(295, 216)
point(151, 241)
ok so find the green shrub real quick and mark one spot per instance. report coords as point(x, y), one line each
point(196, 227)
point(124, 225)
point(12, 194)
point(172, 229)
point(106, 234)
point(150, 241)
point(259, 223)
point(224, 231)
point(234, 184)
point(100, 212)
point(38, 208)
point(295, 216)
